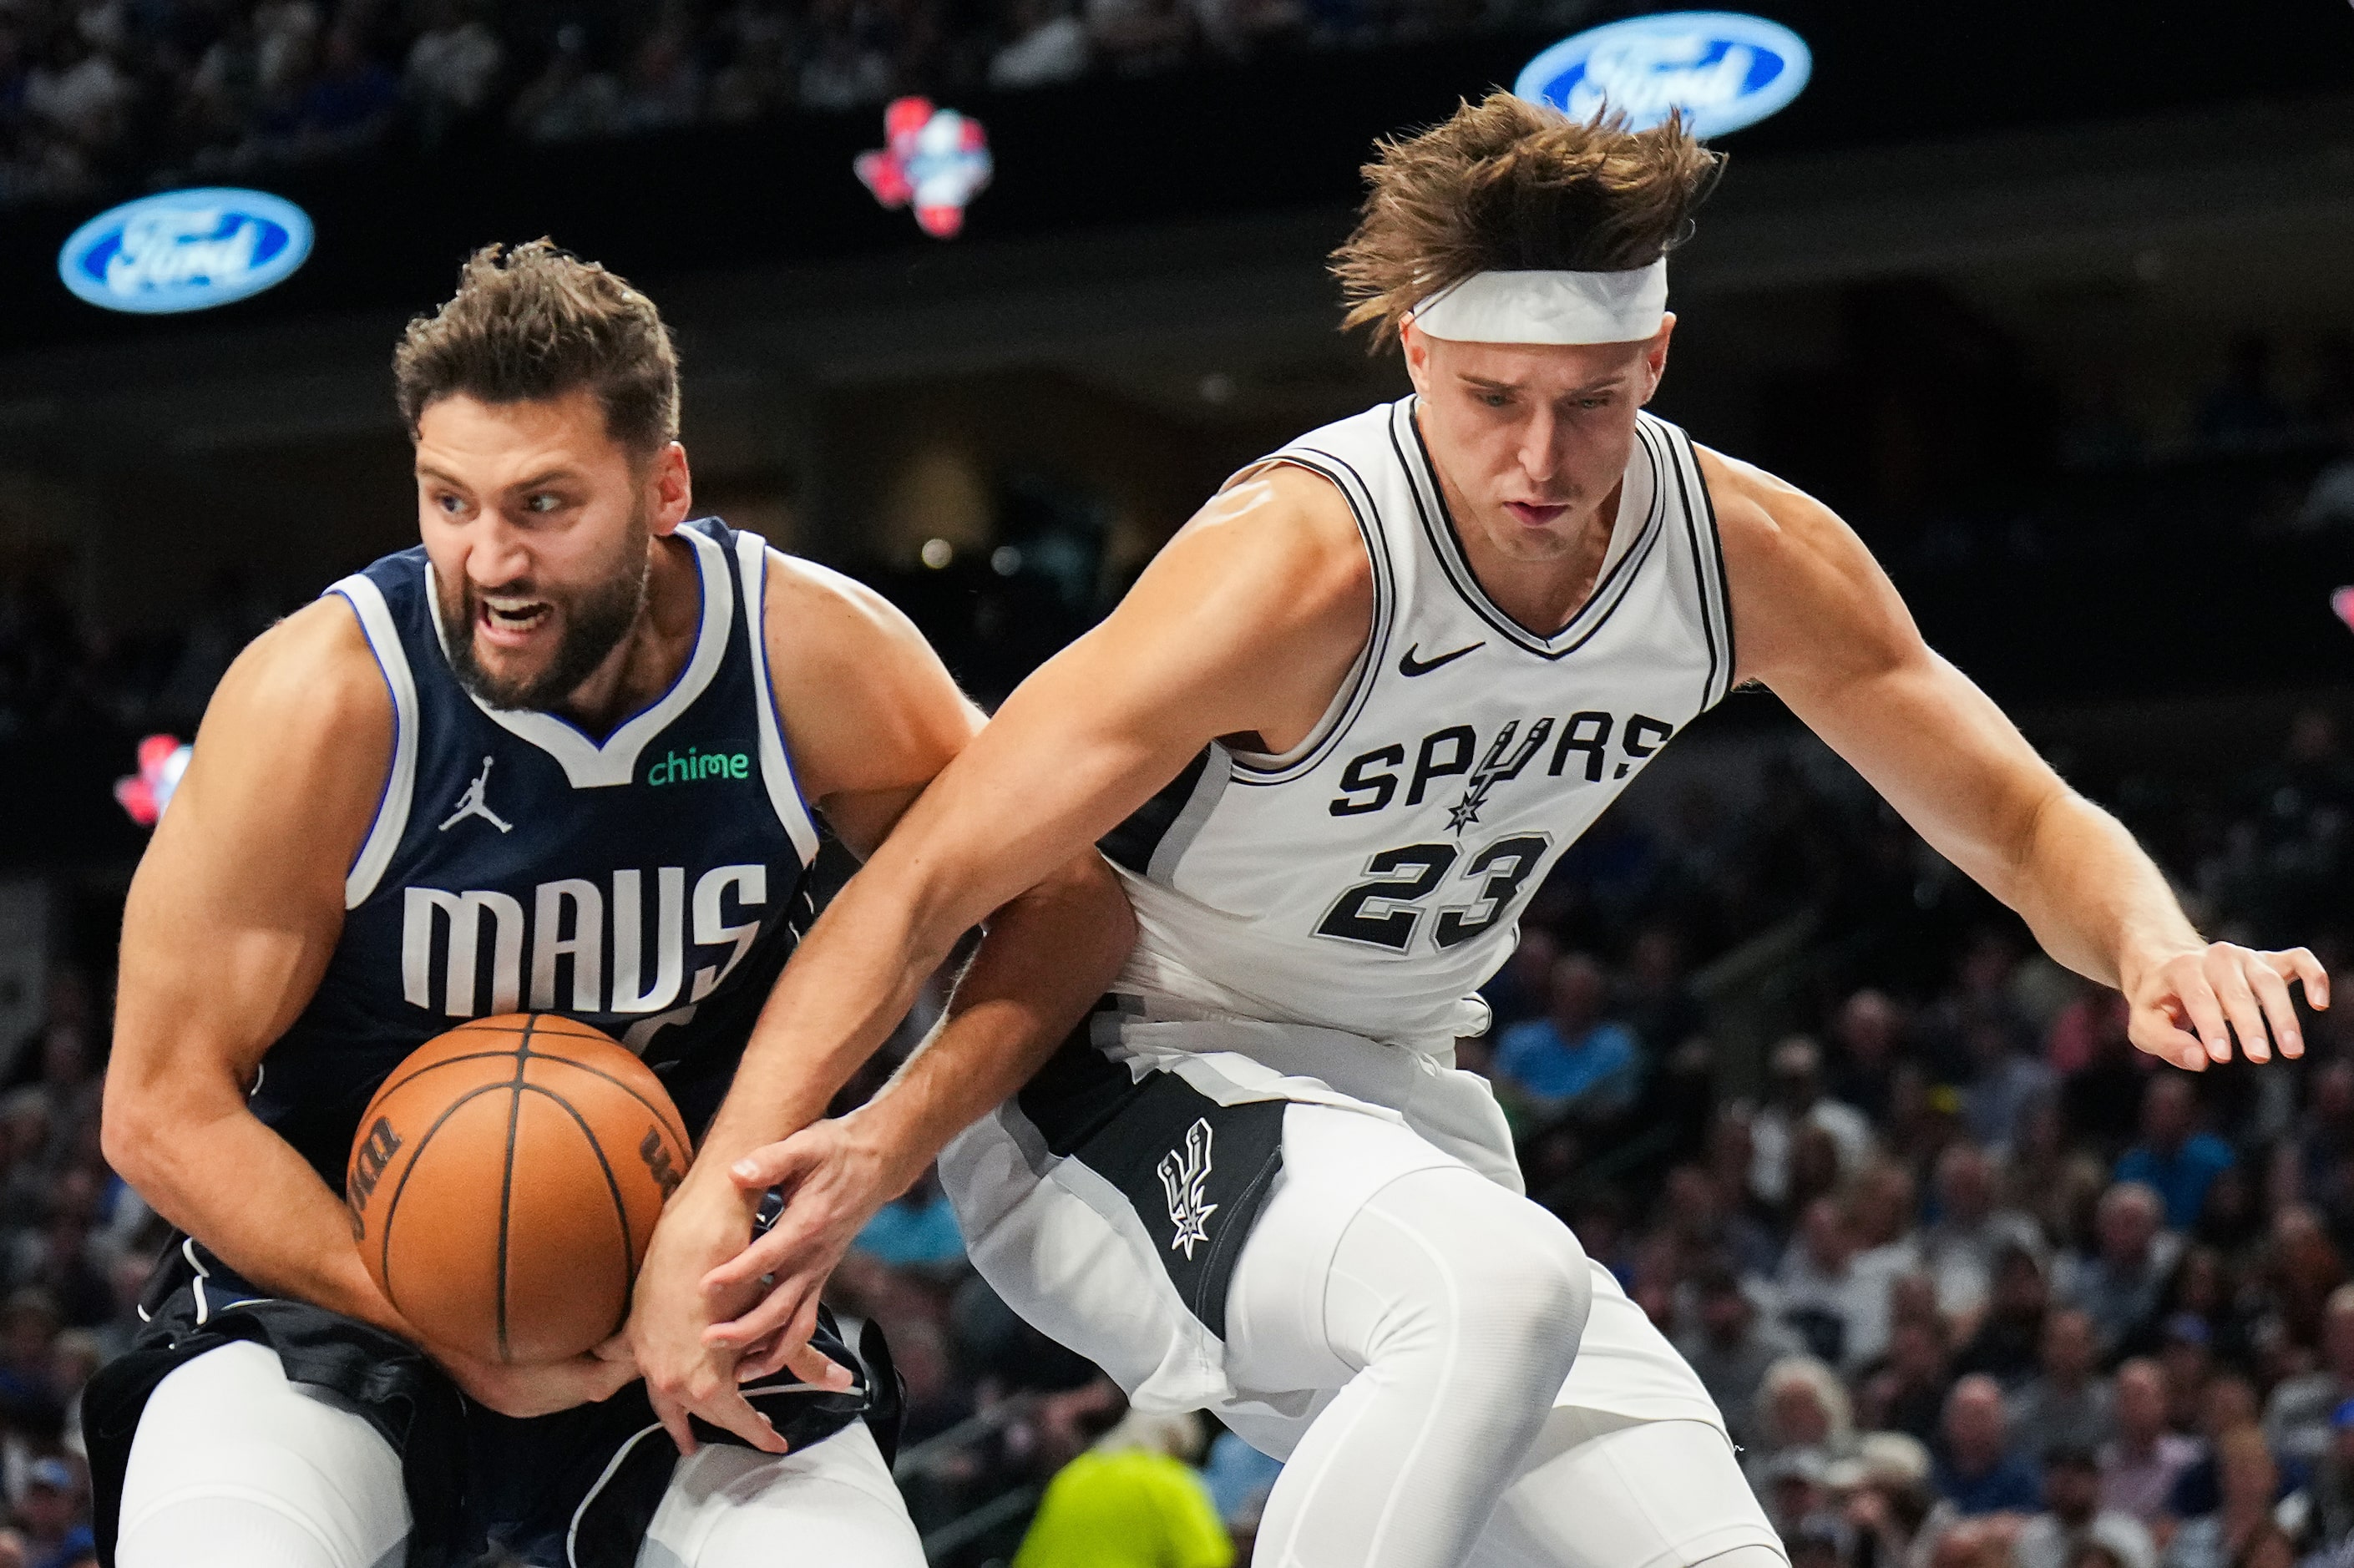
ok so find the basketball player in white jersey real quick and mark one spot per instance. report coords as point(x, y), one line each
point(1341, 728)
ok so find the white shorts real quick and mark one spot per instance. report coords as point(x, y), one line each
point(1085, 1250)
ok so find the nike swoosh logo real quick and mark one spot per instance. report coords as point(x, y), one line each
point(1409, 666)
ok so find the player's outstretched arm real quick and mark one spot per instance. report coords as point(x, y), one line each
point(1223, 626)
point(232, 917)
point(1818, 621)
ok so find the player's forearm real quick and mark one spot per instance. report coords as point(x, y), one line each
point(853, 979)
point(1047, 959)
point(2092, 895)
point(241, 1190)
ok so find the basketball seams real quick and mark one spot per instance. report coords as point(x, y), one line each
point(613, 1187)
point(506, 1173)
point(393, 1206)
point(685, 1145)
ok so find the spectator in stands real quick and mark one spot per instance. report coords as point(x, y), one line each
point(2141, 1464)
point(1732, 1346)
point(452, 67)
point(2119, 1284)
point(1885, 1496)
point(2299, 1417)
point(570, 100)
point(2174, 1158)
point(1831, 1298)
point(2066, 1403)
point(1045, 43)
point(1961, 1244)
point(1653, 995)
point(1706, 1221)
point(1800, 1406)
point(916, 1230)
point(1572, 1063)
point(2072, 1514)
point(45, 1516)
point(2249, 1483)
point(2321, 1513)
point(1133, 1501)
point(1906, 1391)
point(1865, 1037)
point(2009, 1337)
point(1520, 988)
point(1796, 1101)
point(1975, 1470)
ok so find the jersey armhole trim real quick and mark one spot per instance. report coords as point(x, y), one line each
point(1708, 568)
point(391, 821)
point(1256, 768)
point(776, 764)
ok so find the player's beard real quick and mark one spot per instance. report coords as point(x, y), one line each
point(595, 620)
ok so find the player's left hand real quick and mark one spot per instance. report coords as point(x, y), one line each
point(834, 1182)
point(705, 1223)
point(2187, 1005)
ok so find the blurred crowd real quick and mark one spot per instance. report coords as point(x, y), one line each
point(97, 94)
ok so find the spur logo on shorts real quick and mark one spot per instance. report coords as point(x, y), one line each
point(1185, 1178)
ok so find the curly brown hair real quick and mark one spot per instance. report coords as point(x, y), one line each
point(537, 322)
point(1509, 186)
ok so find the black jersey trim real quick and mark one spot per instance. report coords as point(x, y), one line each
point(1338, 716)
point(1446, 543)
point(1723, 581)
point(1131, 844)
point(1700, 579)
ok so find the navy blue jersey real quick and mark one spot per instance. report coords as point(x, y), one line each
point(651, 885)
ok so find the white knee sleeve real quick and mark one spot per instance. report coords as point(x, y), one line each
point(233, 1466)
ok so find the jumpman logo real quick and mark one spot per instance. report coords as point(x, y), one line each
point(1186, 1182)
point(472, 804)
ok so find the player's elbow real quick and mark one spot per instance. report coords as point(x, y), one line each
point(126, 1133)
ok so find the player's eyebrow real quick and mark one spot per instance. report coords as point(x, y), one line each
point(1487, 384)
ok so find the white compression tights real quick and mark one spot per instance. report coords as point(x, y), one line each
point(1417, 1381)
point(233, 1466)
point(1447, 1322)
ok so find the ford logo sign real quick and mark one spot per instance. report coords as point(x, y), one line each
point(1724, 69)
point(184, 250)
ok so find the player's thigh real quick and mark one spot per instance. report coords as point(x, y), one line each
point(1602, 1491)
point(832, 1503)
point(233, 1464)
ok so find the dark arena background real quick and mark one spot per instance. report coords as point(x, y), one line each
point(2055, 302)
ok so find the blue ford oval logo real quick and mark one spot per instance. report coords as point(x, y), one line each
point(184, 250)
point(1723, 69)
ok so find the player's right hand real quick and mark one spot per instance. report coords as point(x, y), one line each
point(542, 1390)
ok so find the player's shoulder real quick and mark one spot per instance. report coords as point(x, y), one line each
point(1277, 535)
point(814, 613)
point(1769, 526)
point(312, 672)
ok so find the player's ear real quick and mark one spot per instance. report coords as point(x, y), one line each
point(671, 484)
point(1417, 355)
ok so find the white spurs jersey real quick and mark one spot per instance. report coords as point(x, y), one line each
point(1371, 879)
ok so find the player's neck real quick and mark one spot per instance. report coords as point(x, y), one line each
point(1539, 585)
point(645, 662)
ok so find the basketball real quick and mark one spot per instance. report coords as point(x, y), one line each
point(505, 1182)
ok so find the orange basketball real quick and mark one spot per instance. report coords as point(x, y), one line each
point(505, 1182)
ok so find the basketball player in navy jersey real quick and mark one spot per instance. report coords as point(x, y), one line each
point(564, 755)
point(1338, 731)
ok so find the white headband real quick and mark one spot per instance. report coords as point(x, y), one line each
point(1550, 307)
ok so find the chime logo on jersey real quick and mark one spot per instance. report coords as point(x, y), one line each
point(587, 942)
point(1185, 1180)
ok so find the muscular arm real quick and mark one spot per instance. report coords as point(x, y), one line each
point(1817, 621)
point(1248, 623)
point(232, 917)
